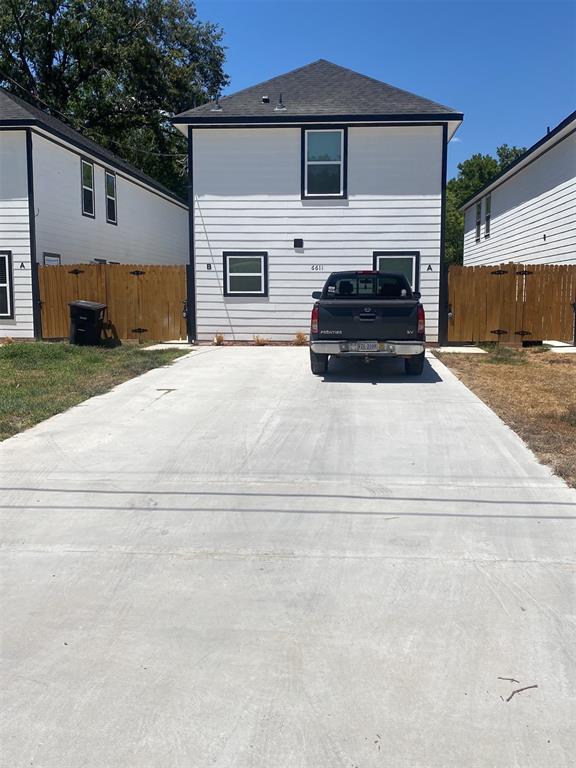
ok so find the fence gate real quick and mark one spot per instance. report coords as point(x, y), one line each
point(143, 301)
point(512, 303)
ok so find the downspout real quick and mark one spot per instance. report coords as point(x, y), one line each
point(443, 287)
point(36, 302)
point(191, 266)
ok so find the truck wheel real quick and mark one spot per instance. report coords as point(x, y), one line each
point(413, 366)
point(318, 363)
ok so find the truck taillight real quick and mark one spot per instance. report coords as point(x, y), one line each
point(421, 319)
point(314, 319)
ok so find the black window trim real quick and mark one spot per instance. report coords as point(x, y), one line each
point(107, 197)
point(414, 254)
point(88, 162)
point(51, 255)
point(303, 160)
point(264, 256)
point(487, 215)
point(478, 225)
point(9, 285)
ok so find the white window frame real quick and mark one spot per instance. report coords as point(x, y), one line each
point(83, 186)
point(413, 255)
point(108, 197)
point(8, 286)
point(307, 132)
point(263, 274)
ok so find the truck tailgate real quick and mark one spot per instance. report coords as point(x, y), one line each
point(356, 319)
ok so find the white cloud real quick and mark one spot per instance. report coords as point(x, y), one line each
point(457, 140)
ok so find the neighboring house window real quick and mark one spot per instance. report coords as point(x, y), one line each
point(406, 263)
point(87, 188)
point(51, 259)
point(478, 220)
point(487, 213)
point(245, 273)
point(6, 288)
point(324, 163)
point(111, 214)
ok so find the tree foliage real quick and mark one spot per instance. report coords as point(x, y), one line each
point(473, 174)
point(117, 69)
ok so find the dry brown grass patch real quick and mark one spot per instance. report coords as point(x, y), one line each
point(532, 391)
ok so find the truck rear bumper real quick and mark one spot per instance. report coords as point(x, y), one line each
point(385, 348)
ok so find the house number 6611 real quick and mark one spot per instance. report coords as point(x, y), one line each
point(317, 267)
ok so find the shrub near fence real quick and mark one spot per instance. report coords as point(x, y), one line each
point(143, 301)
point(511, 303)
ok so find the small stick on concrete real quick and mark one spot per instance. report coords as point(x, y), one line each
point(509, 679)
point(519, 690)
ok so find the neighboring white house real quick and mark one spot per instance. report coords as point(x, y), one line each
point(317, 170)
point(527, 213)
point(64, 199)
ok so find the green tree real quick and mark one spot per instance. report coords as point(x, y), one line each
point(118, 70)
point(473, 174)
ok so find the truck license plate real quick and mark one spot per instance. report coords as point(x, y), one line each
point(363, 346)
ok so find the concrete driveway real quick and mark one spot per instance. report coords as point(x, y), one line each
point(228, 562)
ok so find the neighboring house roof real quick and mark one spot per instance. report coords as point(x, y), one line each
point(557, 134)
point(316, 91)
point(16, 112)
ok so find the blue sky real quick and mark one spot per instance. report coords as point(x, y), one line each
point(509, 66)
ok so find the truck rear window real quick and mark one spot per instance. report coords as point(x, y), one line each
point(385, 286)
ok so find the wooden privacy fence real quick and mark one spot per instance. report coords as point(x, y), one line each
point(511, 303)
point(143, 301)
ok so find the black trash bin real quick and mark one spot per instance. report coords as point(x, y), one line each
point(86, 319)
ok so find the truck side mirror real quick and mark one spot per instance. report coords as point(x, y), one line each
point(316, 294)
point(417, 295)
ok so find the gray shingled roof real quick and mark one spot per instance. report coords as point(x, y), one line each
point(316, 90)
point(15, 111)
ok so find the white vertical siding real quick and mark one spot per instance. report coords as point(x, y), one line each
point(15, 231)
point(150, 229)
point(533, 219)
point(247, 197)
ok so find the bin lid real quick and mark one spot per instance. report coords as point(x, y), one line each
point(86, 304)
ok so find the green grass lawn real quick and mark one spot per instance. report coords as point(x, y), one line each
point(40, 379)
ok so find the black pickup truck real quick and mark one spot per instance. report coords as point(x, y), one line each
point(369, 315)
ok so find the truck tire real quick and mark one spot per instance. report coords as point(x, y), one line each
point(413, 366)
point(318, 363)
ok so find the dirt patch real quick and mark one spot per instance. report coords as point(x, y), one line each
point(534, 392)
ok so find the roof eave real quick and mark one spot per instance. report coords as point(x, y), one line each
point(536, 150)
point(216, 119)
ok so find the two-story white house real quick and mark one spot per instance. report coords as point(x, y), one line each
point(64, 199)
point(527, 213)
point(317, 170)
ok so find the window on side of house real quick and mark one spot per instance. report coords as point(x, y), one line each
point(487, 215)
point(6, 287)
point(111, 205)
point(324, 163)
point(478, 221)
point(245, 273)
point(87, 170)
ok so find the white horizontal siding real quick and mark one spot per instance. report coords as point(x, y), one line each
point(15, 231)
point(247, 197)
point(540, 200)
point(150, 229)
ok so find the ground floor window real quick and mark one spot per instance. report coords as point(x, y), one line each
point(245, 273)
point(6, 291)
point(406, 263)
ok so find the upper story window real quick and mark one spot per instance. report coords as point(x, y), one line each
point(478, 220)
point(87, 188)
point(111, 212)
point(324, 163)
point(6, 288)
point(487, 215)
